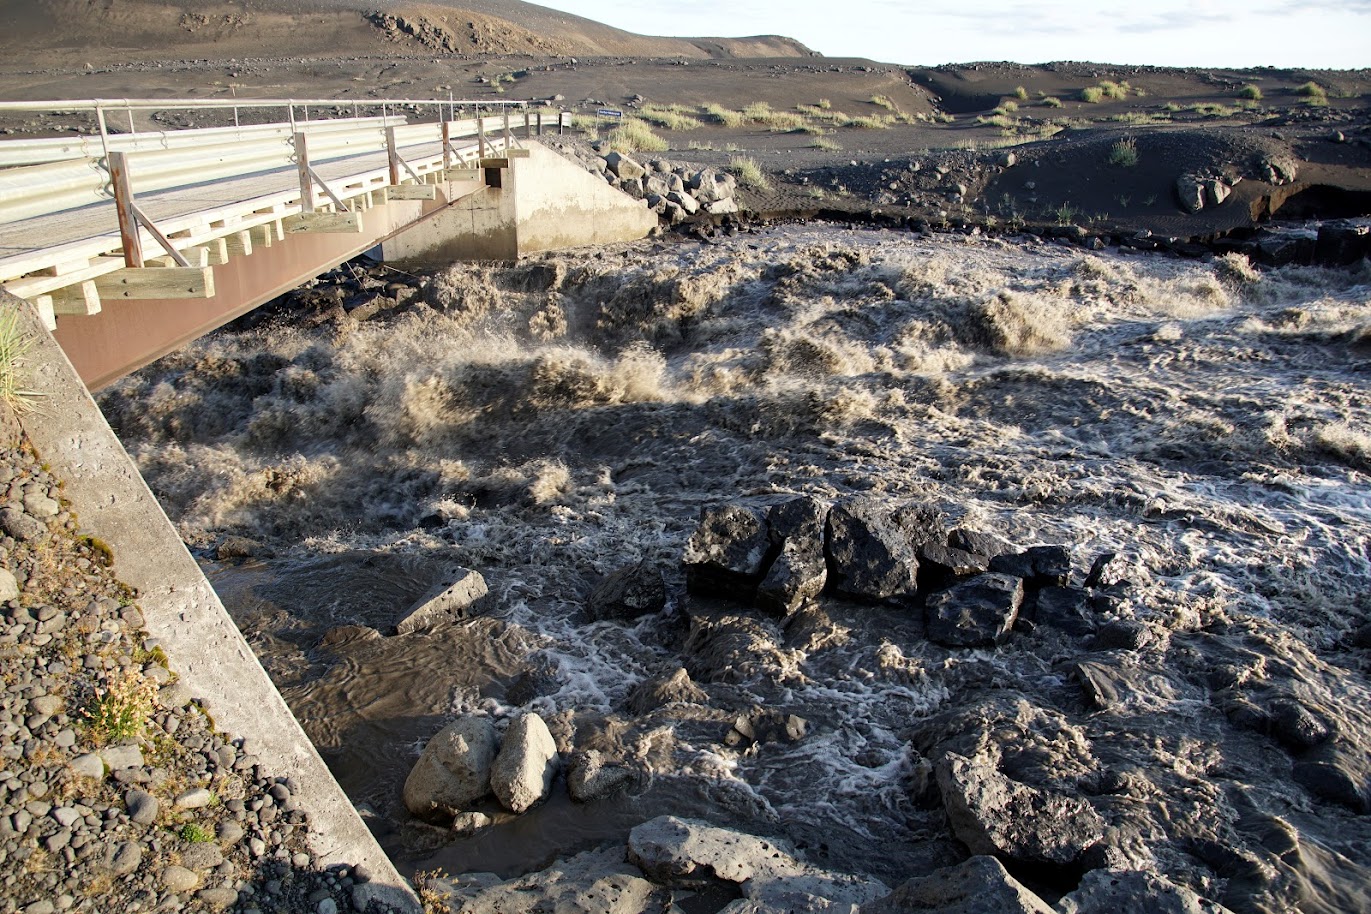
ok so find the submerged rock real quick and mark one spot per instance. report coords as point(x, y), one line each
point(992, 814)
point(449, 599)
point(652, 694)
point(596, 882)
point(590, 776)
point(454, 769)
point(627, 593)
point(980, 885)
point(521, 776)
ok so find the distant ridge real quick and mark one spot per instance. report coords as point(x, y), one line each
point(110, 31)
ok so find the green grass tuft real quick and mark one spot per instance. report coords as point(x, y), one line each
point(15, 345)
point(749, 173)
point(1124, 153)
point(1092, 95)
point(724, 117)
point(1311, 89)
point(1250, 92)
point(636, 136)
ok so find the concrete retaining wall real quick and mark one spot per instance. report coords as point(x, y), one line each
point(544, 203)
point(181, 609)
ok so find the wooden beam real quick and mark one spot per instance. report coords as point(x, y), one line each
point(325, 223)
point(262, 235)
point(516, 153)
point(45, 311)
point(392, 156)
point(464, 174)
point(239, 244)
point(123, 205)
point(495, 163)
point(306, 176)
point(215, 252)
point(81, 299)
point(157, 282)
point(412, 192)
point(195, 257)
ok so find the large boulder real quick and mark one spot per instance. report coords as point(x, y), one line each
point(685, 201)
point(980, 885)
point(624, 168)
point(449, 599)
point(992, 814)
point(1134, 892)
point(453, 771)
point(595, 882)
point(670, 850)
point(729, 552)
point(869, 558)
point(710, 186)
point(1342, 243)
point(590, 776)
point(522, 774)
point(975, 613)
point(736, 648)
point(799, 573)
point(1039, 566)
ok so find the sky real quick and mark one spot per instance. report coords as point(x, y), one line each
point(1324, 34)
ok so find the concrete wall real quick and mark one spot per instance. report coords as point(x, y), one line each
point(545, 203)
point(181, 609)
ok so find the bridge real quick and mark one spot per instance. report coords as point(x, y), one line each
point(130, 244)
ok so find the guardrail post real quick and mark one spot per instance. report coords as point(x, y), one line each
point(480, 134)
point(508, 138)
point(306, 182)
point(123, 203)
point(393, 155)
point(447, 148)
point(528, 125)
point(561, 122)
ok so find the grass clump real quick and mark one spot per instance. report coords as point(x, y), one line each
point(1311, 89)
point(824, 142)
point(1006, 107)
point(1092, 95)
point(883, 101)
point(877, 122)
point(1124, 153)
point(195, 833)
point(669, 117)
point(119, 712)
point(1021, 93)
point(1115, 90)
point(724, 117)
point(1250, 93)
point(763, 114)
point(636, 136)
point(15, 345)
point(1052, 101)
point(749, 173)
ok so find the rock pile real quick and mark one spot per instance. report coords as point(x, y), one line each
point(674, 191)
point(467, 763)
point(971, 586)
point(116, 791)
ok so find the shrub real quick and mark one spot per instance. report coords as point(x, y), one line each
point(636, 136)
point(749, 173)
point(1124, 153)
point(1250, 92)
point(1092, 95)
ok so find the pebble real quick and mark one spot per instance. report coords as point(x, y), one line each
point(179, 879)
point(142, 806)
point(195, 798)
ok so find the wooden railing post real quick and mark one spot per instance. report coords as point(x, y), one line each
point(528, 124)
point(508, 137)
point(480, 134)
point(302, 165)
point(123, 202)
point(561, 122)
point(447, 148)
point(393, 156)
